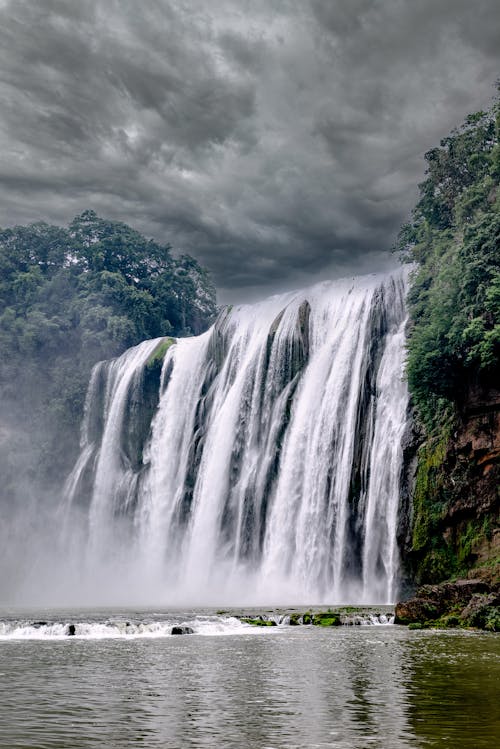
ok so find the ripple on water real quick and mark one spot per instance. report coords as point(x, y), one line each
point(288, 687)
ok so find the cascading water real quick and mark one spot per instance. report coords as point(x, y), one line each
point(261, 464)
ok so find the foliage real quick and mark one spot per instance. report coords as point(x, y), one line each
point(156, 358)
point(428, 483)
point(72, 296)
point(492, 619)
point(453, 241)
point(454, 238)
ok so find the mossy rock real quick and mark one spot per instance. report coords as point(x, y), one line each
point(259, 622)
point(486, 617)
point(416, 625)
point(156, 358)
point(307, 618)
point(326, 619)
point(451, 621)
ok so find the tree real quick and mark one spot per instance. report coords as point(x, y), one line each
point(70, 297)
point(454, 238)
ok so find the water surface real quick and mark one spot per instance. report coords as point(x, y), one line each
point(233, 686)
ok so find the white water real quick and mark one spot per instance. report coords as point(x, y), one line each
point(117, 628)
point(272, 473)
point(207, 625)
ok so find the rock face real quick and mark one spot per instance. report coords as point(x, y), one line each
point(472, 603)
point(455, 499)
point(483, 611)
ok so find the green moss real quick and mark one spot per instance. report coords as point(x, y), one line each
point(471, 537)
point(437, 564)
point(259, 622)
point(427, 498)
point(415, 625)
point(437, 555)
point(349, 609)
point(156, 358)
point(326, 619)
point(451, 620)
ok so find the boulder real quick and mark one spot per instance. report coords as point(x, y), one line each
point(483, 611)
point(182, 630)
point(467, 602)
point(416, 610)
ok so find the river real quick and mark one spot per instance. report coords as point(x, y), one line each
point(123, 681)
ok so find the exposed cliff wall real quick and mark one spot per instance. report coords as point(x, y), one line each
point(452, 544)
point(454, 525)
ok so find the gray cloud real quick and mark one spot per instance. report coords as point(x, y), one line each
point(277, 142)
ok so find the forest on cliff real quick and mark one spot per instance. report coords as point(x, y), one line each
point(453, 364)
point(70, 297)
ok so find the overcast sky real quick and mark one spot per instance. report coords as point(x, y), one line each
point(278, 141)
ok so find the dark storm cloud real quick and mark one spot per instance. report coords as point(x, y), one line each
point(276, 142)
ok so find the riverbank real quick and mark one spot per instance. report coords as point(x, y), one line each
point(460, 603)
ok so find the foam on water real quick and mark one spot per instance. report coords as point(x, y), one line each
point(206, 625)
point(209, 626)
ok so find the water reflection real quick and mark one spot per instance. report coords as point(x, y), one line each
point(454, 689)
point(301, 687)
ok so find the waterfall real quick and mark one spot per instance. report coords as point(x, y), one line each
point(258, 462)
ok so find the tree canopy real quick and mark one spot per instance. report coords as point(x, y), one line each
point(72, 296)
point(454, 238)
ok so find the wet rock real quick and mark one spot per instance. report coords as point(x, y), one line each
point(416, 610)
point(326, 619)
point(459, 603)
point(483, 611)
point(260, 621)
point(37, 625)
point(71, 630)
point(182, 631)
point(452, 594)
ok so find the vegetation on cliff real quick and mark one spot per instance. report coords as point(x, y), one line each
point(463, 603)
point(70, 297)
point(454, 351)
point(455, 295)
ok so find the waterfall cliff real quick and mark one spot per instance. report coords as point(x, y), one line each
point(260, 461)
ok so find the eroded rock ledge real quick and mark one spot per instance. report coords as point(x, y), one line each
point(321, 617)
point(463, 603)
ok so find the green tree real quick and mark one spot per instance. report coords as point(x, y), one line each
point(68, 298)
point(454, 238)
